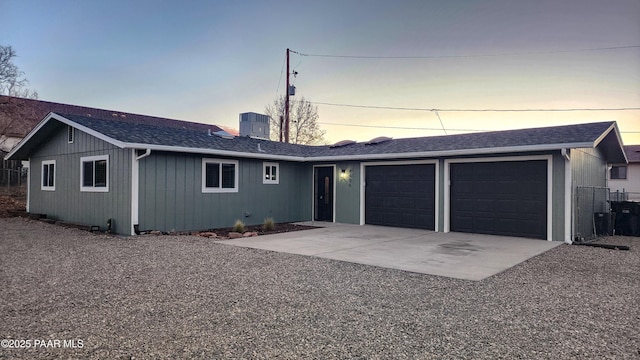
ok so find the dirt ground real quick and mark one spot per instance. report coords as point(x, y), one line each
point(12, 199)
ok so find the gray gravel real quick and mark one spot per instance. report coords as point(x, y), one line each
point(187, 297)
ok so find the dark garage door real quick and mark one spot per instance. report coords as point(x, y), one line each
point(500, 198)
point(400, 195)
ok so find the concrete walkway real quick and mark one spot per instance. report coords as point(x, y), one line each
point(456, 255)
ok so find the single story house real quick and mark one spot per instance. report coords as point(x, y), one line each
point(164, 176)
point(624, 179)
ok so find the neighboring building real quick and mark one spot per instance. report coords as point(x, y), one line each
point(164, 176)
point(19, 115)
point(624, 179)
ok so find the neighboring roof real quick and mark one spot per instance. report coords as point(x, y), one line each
point(157, 136)
point(24, 114)
point(633, 153)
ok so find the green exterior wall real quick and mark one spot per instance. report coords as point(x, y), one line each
point(348, 193)
point(171, 198)
point(170, 195)
point(67, 203)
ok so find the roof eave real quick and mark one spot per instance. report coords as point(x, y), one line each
point(181, 149)
point(619, 147)
point(447, 153)
point(63, 120)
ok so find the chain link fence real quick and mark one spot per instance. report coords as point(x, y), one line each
point(11, 177)
point(592, 211)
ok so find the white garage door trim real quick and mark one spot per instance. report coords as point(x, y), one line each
point(408, 162)
point(447, 182)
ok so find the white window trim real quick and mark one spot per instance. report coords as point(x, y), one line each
point(93, 188)
point(206, 189)
point(264, 173)
point(71, 131)
point(55, 168)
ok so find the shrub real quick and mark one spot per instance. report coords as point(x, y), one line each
point(238, 226)
point(268, 224)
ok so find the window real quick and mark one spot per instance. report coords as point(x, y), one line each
point(48, 175)
point(618, 172)
point(70, 133)
point(270, 173)
point(94, 173)
point(219, 175)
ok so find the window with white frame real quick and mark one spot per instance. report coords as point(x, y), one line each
point(48, 175)
point(219, 175)
point(94, 173)
point(618, 172)
point(270, 173)
point(70, 134)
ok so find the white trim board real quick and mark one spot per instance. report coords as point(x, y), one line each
point(363, 184)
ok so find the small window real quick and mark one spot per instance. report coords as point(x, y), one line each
point(219, 175)
point(48, 175)
point(94, 173)
point(70, 133)
point(618, 172)
point(270, 173)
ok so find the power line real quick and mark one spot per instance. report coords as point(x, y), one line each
point(470, 56)
point(475, 110)
point(425, 128)
point(281, 72)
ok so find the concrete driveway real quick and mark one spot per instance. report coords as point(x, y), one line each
point(456, 255)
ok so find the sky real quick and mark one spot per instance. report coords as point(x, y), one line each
point(209, 61)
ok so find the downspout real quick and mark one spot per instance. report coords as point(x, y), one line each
point(135, 188)
point(568, 204)
point(146, 153)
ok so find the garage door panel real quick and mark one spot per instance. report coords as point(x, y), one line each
point(506, 198)
point(400, 195)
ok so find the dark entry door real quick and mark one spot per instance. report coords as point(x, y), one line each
point(400, 195)
point(500, 198)
point(323, 179)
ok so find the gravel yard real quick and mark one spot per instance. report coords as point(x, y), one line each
point(187, 297)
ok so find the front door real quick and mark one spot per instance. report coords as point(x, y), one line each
point(323, 202)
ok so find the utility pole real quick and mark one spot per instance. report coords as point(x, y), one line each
point(286, 105)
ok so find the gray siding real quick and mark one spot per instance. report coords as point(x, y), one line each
point(170, 196)
point(348, 193)
point(589, 179)
point(67, 202)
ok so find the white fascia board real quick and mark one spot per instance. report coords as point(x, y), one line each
point(89, 131)
point(66, 121)
point(29, 136)
point(614, 128)
point(435, 154)
point(181, 149)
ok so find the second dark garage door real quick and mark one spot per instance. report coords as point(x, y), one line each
point(500, 198)
point(400, 195)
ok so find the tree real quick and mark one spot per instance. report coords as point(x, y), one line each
point(12, 80)
point(303, 121)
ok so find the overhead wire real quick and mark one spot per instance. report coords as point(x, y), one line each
point(527, 53)
point(426, 128)
point(474, 110)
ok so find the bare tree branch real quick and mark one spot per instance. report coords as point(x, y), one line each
point(303, 115)
point(12, 81)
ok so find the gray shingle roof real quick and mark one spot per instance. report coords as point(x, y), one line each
point(193, 137)
point(633, 153)
point(153, 134)
point(23, 114)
